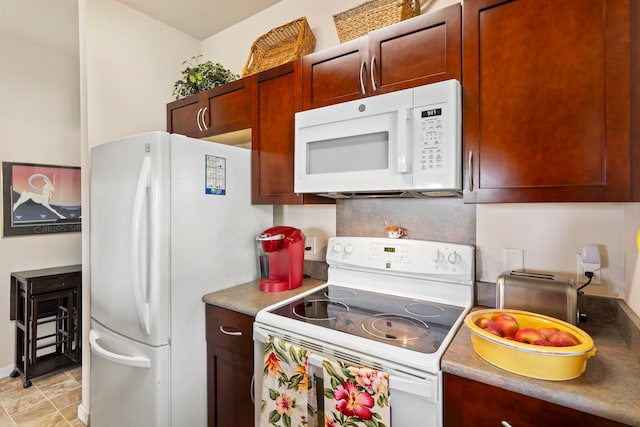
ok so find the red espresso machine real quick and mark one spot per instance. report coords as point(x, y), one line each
point(280, 251)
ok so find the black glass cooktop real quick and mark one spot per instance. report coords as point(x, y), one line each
point(403, 322)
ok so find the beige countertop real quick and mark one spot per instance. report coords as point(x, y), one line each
point(609, 387)
point(247, 298)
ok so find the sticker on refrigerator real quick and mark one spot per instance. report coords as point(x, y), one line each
point(216, 175)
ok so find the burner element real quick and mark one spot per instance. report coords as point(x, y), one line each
point(318, 309)
point(340, 293)
point(424, 309)
point(395, 327)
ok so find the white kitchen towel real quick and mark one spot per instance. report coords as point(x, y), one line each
point(355, 396)
point(288, 390)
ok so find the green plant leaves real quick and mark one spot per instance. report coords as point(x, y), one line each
point(197, 77)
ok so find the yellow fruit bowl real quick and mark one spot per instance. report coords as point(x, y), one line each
point(534, 361)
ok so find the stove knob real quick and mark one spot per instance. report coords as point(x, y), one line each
point(348, 249)
point(437, 256)
point(454, 258)
point(337, 248)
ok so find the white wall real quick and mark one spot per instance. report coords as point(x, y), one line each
point(132, 63)
point(40, 122)
point(551, 236)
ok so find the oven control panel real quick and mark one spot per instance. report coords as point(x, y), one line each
point(415, 257)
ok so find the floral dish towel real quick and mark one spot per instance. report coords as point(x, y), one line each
point(355, 396)
point(288, 397)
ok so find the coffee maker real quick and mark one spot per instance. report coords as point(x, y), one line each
point(280, 252)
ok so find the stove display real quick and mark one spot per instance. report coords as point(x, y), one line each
point(402, 322)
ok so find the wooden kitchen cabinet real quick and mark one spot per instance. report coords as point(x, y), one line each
point(276, 98)
point(229, 368)
point(547, 106)
point(469, 403)
point(223, 109)
point(421, 50)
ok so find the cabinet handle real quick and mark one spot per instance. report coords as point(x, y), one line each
point(204, 123)
point(234, 333)
point(505, 424)
point(198, 119)
point(252, 391)
point(470, 170)
point(362, 89)
point(373, 79)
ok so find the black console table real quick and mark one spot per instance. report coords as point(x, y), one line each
point(46, 305)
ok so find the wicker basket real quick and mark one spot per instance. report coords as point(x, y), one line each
point(279, 46)
point(371, 15)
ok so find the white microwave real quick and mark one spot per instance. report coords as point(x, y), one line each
point(399, 144)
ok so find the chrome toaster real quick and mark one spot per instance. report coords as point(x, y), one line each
point(547, 294)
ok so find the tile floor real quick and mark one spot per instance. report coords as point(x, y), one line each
point(51, 401)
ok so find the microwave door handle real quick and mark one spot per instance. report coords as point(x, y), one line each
point(403, 144)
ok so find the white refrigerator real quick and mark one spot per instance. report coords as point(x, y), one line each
point(171, 220)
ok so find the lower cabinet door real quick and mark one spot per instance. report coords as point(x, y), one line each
point(229, 389)
point(469, 403)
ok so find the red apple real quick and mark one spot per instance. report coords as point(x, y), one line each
point(528, 335)
point(507, 323)
point(563, 339)
point(493, 331)
point(547, 332)
point(542, 342)
point(485, 323)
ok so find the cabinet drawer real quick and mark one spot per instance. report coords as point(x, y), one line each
point(53, 284)
point(230, 330)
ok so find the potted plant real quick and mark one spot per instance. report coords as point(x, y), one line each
point(198, 77)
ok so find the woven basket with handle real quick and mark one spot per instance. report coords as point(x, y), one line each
point(280, 45)
point(371, 15)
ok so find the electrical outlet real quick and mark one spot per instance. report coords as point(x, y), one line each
point(581, 278)
point(513, 259)
point(310, 245)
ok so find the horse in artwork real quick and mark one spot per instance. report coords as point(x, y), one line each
point(46, 193)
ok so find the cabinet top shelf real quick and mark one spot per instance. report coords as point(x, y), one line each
point(53, 271)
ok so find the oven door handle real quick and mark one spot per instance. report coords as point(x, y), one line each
point(418, 387)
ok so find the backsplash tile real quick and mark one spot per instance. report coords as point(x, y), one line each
point(444, 219)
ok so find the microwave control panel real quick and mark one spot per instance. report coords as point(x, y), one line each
point(431, 136)
point(436, 137)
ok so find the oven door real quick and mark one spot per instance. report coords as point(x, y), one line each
point(415, 397)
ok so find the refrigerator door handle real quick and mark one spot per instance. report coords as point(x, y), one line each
point(139, 285)
point(136, 361)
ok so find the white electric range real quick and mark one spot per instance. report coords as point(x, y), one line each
point(389, 304)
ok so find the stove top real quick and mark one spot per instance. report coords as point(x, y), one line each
point(397, 300)
point(402, 322)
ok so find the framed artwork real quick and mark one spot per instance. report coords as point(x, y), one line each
point(40, 199)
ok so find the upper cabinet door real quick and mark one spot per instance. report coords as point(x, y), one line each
point(276, 99)
point(335, 75)
point(228, 107)
point(184, 116)
point(422, 50)
point(547, 105)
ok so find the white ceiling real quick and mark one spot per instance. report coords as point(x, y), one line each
point(199, 18)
